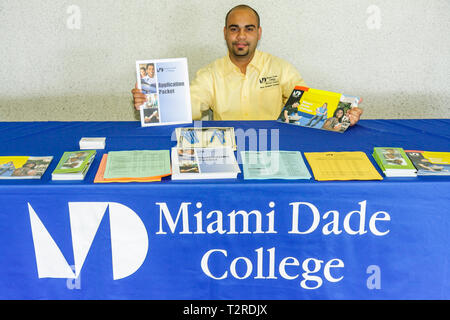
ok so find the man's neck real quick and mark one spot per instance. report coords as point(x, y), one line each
point(241, 62)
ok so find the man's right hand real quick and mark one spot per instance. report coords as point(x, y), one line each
point(138, 97)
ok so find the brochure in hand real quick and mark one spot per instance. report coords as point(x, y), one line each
point(73, 165)
point(23, 167)
point(274, 165)
point(204, 163)
point(430, 163)
point(165, 83)
point(394, 162)
point(319, 109)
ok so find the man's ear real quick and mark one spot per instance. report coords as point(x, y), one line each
point(224, 32)
point(259, 33)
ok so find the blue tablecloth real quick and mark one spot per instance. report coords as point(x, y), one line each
point(225, 239)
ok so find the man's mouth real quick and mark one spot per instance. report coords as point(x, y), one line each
point(241, 45)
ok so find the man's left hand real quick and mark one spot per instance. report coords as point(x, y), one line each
point(354, 114)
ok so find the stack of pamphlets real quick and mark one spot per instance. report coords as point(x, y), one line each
point(92, 143)
point(274, 165)
point(204, 163)
point(353, 165)
point(23, 167)
point(205, 137)
point(430, 163)
point(73, 165)
point(204, 153)
point(319, 109)
point(133, 166)
point(394, 162)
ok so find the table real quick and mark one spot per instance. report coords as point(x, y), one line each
point(225, 239)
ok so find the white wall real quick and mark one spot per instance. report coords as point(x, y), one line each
point(395, 54)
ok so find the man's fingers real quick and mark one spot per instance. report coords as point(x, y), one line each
point(354, 115)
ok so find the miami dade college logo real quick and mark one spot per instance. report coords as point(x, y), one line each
point(129, 240)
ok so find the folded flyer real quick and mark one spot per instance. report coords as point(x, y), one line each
point(319, 109)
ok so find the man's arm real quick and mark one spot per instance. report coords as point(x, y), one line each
point(290, 78)
point(202, 93)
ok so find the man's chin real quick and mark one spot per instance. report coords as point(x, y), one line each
point(241, 53)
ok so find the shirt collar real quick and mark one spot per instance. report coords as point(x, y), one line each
point(256, 62)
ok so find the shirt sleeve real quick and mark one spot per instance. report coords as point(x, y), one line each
point(290, 78)
point(202, 93)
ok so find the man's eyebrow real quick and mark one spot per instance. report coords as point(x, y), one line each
point(246, 26)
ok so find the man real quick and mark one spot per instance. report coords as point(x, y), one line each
point(246, 84)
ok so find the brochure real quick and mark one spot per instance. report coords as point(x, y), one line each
point(430, 163)
point(137, 164)
point(204, 163)
point(165, 83)
point(354, 165)
point(206, 137)
point(394, 162)
point(73, 165)
point(319, 109)
point(274, 165)
point(23, 167)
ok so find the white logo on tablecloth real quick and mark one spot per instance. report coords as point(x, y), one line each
point(129, 240)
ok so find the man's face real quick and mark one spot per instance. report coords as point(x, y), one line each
point(151, 71)
point(242, 33)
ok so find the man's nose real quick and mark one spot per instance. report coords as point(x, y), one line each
point(242, 34)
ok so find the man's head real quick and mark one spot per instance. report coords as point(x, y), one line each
point(242, 31)
point(151, 70)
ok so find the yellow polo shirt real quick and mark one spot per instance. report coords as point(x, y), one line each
point(260, 94)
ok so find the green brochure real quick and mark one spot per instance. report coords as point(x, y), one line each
point(274, 165)
point(394, 162)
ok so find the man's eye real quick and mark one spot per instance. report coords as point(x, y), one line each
point(250, 29)
point(233, 29)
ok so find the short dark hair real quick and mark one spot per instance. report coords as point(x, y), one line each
point(242, 6)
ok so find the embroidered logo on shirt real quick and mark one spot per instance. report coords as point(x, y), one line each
point(267, 82)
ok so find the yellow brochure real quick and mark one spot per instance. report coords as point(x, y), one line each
point(353, 165)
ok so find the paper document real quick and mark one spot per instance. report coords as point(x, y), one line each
point(274, 165)
point(342, 166)
point(138, 163)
